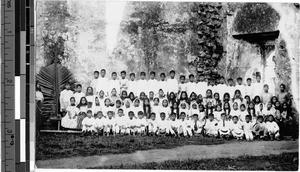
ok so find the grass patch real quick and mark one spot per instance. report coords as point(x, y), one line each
point(282, 162)
point(56, 146)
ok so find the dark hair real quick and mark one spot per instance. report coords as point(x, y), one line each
point(223, 114)
point(140, 113)
point(149, 111)
point(226, 94)
point(172, 71)
point(132, 74)
point(249, 79)
point(89, 111)
point(256, 97)
point(130, 112)
point(103, 70)
point(248, 116)
point(162, 113)
point(96, 72)
point(230, 79)
point(120, 110)
point(163, 74)
point(78, 85)
point(118, 101)
point(123, 72)
point(282, 85)
point(152, 73)
point(235, 117)
point(239, 78)
point(114, 73)
point(80, 104)
point(229, 108)
point(242, 105)
point(142, 73)
point(182, 77)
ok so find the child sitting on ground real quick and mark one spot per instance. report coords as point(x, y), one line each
point(185, 128)
point(70, 119)
point(210, 128)
point(164, 127)
point(236, 128)
point(198, 125)
point(272, 129)
point(100, 123)
point(224, 127)
point(248, 128)
point(259, 128)
point(152, 125)
point(110, 124)
point(120, 127)
point(141, 123)
point(131, 128)
point(88, 124)
point(174, 124)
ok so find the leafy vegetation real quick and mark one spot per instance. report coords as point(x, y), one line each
point(256, 17)
point(54, 146)
point(282, 162)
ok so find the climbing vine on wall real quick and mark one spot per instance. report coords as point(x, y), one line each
point(207, 45)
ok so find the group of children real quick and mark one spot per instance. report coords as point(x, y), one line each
point(171, 108)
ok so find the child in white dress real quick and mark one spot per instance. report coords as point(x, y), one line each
point(165, 108)
point(100, 123)
point(184, 107)
point(236, 128)
point(78, 94)
point(248, 128)
point(174, 124)
point(96, 107)
point(141, 123)
point(88, 124)
point(152, 125)
point(64, 97)
point(211, 126)
point(123, 82)
point(110, 124)
point(90, 97)
point(218, 112)
point(121, 121)
point(224, 127)
point(83, 107)
point(272, 128)
point(243, 112)
point(198, 125)
point(70, 119)
point(259, 129)
point(164, 127)
point(185, 128)
point(131, 124)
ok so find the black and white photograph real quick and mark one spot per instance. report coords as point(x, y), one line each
point(167, 85)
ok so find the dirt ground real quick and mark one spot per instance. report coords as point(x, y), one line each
point(229, 150)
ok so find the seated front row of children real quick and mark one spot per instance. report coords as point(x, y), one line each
point(184, 126)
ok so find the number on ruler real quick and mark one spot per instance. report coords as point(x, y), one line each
point(8, 5)
point(12, 141)
point(9, 80)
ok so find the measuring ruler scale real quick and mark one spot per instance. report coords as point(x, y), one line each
point(13, 84)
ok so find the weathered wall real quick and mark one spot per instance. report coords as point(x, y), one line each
point(289, 26)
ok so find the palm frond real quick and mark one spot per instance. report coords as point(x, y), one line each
point(46, 78)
